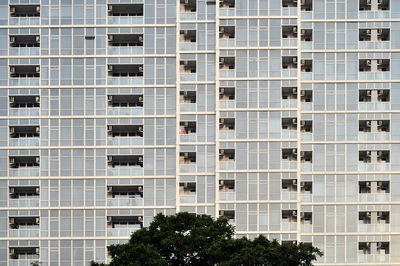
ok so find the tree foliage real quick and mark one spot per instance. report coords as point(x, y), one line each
point(190, 239)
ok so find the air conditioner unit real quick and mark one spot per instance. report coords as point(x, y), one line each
point(294, 60)
point(294, 121)
point(221, 182)
point(380, 122)
point(12, 160)
point(37, 159)
point(379, 31)
point(303, 32)
point(12, 129)
point(12, 10)
point(110, 68)
point(294, 213)
point(379, 245)
point(12, 99)
point(302, 93)
point(109, 219)
point(12, 221)
point(110, 8)
point(368, 31)
point(380, 92)
point(37, 38)
point(368, 184)
point(186, 154)
point(109, 97)
point(294, 29)
point(303, 61)
point(369, 92)
point(369, 153)
point(140, 129)
point(302, 123)
point(12, 190)
point(294, 151)
point(109, 189)
point(109, 159)
point(12, 70)
point(140, 99)
point(302, 214)
point(141, 38)
point(221, 60)
point(186, 2)
point(37, 220)
point(110, 38)
point(222, 30)
point(140, 219)
point(37, 99)
point(294, 182)
point(37, 129)
point(379, 153)
point(37, 8)
point(368, 214)
point(186, 123)
point(140, 159)
point(37, 69)
point(379, 214)
point(140, 68)
point(368, 62)
point(302, 154)
point(140, 188)
point(379, 183)
point(368, 123)
point(380, 1)
point(12, 251)
point(302, 183)
point(222, 120)
point(110, 127)
point(12, 39)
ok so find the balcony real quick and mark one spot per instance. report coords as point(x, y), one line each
point(289, 127)
point(373, 252)
point(289, 158)
point(227, 159)
point(377, 160)
point(227, 128)
point(125, 14)
point(289, 66)
point(375, 99)
point(306, 128)
point(24, 71)
point(24, 226)
point(230, 214)
point(289, 97)
point(187, 39)
point(227, 36)
point(226, 190)
point(227, 67)
point(125, 165)
point(24, 135)
point(289, 189)
point(125, 104)
point(125, 195)
point(24, 196)
point(24, 165)
point(187, 101)
point(187, 192)
point(289, 220)
point(306, 222)
point(187, 131)
point(306, 191)
point(123, 226)
point(125, 74)
point(374, 69)
point(227, 97)
point(188, 9)
point(24, 253)
point(187, 70)
point(374, 221)
point(24, 105)
point(125, 43)
point(374, 191)
point(24, 15)
point(128, 135)
point(374, 130)
point(187, 162)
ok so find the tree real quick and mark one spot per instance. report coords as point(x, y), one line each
point(190, 239)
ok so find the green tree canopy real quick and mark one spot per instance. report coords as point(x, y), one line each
point(190, 239)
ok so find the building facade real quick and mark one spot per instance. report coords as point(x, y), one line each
point(282, 115)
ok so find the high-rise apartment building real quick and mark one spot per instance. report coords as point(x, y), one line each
point(282, 115)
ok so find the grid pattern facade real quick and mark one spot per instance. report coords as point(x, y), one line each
point(282, 115)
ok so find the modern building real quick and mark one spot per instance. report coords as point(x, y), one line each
point(282, 115)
